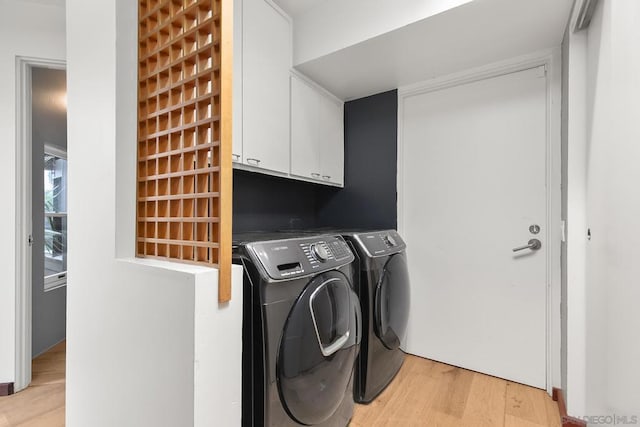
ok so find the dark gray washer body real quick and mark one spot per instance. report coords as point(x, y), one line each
point(382, 283)
point(278, 279)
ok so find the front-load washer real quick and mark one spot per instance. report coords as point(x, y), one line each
point(301, 330)
point(382, 282)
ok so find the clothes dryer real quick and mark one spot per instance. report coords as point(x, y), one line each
point(382, 283)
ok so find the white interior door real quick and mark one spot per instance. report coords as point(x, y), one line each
point(473, 183)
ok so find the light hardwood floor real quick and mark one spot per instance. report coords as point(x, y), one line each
point(425, 393)
point(42, 403)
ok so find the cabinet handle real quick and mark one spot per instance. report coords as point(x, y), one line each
point(327, 177)
point(315, 175)
point(257, 161)
point(236, 157)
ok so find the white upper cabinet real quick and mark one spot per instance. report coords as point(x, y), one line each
point(305, 147)
point(317, 136)
point(287, 125)
point(331, 133)
point(266, 60)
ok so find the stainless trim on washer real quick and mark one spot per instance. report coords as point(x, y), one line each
point(339, 342)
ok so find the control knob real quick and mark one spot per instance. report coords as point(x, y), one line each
point(320, 252)
point(390, 240)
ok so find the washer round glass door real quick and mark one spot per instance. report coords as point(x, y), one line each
point(318, 348)
point(391, 312)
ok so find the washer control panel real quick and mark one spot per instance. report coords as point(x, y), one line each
point(380, 243)
point(292, 258)
point(319, 252)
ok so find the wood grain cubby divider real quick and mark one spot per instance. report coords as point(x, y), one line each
point(184, 133)
point(175, 151)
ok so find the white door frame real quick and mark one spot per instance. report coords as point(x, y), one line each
point(551, 59)
point(24, 66)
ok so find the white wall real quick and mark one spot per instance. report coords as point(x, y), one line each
point(335, 24)
point(613, 209)
point(147, 342)
point(574, 295)
point(218, 353)
point(34, 30)
point(603, 349)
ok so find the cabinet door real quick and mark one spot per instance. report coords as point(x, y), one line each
point(305, 143)
point(265, 99)
point(331, 132)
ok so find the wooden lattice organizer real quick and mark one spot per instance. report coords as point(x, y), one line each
point(179, 130)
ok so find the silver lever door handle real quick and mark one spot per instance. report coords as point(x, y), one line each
point(533, 244)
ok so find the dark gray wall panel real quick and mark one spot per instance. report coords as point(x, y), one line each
point(368, 199)
point(268, 203)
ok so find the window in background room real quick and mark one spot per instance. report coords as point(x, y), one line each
point(55, 218)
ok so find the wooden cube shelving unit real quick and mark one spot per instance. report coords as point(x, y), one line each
point(184, 132)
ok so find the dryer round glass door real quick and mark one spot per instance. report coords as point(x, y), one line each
point(391, 312)
point(318, 348)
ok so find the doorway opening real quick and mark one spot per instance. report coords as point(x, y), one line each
point(41, 212)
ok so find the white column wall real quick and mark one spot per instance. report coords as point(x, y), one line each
point(576, 229)
point(603, 157)
point(31, 30)
point(613, 210)
point(147, 341)
point(217, 353)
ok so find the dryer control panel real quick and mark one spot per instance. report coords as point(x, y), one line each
point(294, 258)
point(380, 243)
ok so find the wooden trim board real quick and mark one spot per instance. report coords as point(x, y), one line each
point(226, 151)
point(567, 421)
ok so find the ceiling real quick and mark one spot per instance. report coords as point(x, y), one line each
point(296, 7)
point(475, 34)
point(472, 35)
